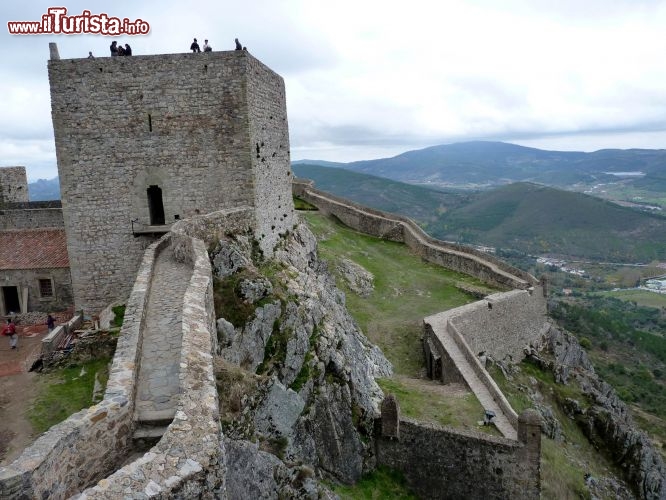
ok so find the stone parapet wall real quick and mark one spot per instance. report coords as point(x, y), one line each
point(502, 324)
point(89, 444)
point(189, 460)
point(211, 227)
point(31, 218)
point(483, 375)
point(444, 463)
point(398, 228)
point(51, 341)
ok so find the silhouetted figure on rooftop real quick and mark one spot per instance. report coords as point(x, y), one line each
point(238, 45)
point(195, 46)
point(128, 50)
point(114, 48)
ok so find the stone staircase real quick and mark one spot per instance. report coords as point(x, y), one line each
point(461, 356)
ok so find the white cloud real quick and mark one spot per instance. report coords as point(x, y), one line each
point(374, 78)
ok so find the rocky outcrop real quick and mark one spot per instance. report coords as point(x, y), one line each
point(317, 398)
point(606, 420)
point(357, 278)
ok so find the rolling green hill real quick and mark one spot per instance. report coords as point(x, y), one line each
point(483, 164)
point(420, 203)
point(540, 220)
point(526, 217)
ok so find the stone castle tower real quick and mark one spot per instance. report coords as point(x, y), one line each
point(143, 141)
point(13, 185)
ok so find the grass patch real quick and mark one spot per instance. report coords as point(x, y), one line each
point(420, 400)
point(300, 204)
point(232, 383)
point(228, 302)
point(640, 297)
point(379, 484)
point(406, 290)
point(66, 391)
point(118, 316)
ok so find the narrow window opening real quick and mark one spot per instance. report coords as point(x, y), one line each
point(150, 122)
point(155, 206)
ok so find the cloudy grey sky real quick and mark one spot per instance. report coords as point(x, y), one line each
point(370, 79)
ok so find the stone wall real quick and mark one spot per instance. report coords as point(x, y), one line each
point(502, 324)
point(186, 123)
point(445, 463)
point(398, 228)
point(31, 215)
point(89, 444)
point(29, 279)
point(189, 460)
point(269, 139)
point(210, 228)
point(51, 341)
point(13, 185)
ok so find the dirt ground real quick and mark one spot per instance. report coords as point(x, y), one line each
point(18, 388)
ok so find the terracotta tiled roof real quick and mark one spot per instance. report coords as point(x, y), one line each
point(33, 249)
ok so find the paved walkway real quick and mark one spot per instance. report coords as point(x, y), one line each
point(471, 378)
point(158, 385)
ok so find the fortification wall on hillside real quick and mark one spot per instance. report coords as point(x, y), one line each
point(13, 185)
point(398, 228)
point(450, 463)
point(501, 325)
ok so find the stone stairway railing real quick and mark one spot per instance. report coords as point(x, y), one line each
point(188, 461)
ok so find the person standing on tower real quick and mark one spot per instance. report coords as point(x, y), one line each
point(195, 46)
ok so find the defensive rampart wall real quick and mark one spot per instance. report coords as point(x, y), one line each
point(398, 228)
point(448, 463)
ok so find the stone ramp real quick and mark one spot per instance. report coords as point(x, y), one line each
point(476, 385)
point(158, 383)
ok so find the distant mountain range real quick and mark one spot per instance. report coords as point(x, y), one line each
point(483, 164)
point(44, 189)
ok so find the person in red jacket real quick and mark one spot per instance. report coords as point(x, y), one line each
point(10, 331)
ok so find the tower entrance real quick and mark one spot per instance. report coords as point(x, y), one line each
point(155, 206)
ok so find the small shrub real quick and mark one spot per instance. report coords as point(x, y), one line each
point(119, 316)
point(585, 343)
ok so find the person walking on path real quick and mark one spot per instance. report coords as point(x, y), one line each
point(10, 331)
point(50, 323)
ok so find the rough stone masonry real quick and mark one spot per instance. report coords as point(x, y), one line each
point(144, 141)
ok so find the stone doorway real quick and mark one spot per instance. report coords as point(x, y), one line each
point(155, 206)
point(10, 299)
